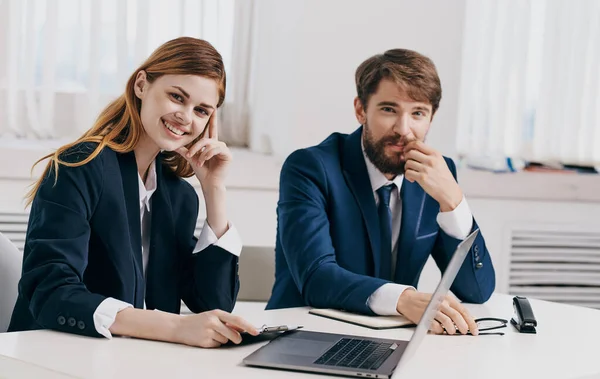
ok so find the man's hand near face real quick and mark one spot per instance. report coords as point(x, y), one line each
point(427, 167)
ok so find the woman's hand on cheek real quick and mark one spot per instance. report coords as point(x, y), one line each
point(209, 157)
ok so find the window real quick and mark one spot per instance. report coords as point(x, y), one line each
point(66, 59)
point(530, 83)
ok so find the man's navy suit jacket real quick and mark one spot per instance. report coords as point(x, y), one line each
point(328, 238)
point(83, 245)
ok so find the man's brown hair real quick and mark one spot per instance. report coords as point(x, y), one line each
point(414, 72)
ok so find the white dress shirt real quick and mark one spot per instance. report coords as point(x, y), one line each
point(106, 313)
point(457, 224)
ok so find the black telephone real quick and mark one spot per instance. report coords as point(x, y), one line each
point(265, 333)
point(523, 320)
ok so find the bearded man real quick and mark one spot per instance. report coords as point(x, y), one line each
point(359, 214)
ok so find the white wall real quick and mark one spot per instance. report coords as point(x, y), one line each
point(307, 52)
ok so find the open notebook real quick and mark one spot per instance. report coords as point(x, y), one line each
point(373, 322)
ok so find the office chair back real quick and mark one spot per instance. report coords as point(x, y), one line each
point(10, 273)
point(257, 273)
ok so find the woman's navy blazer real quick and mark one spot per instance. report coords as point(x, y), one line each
point(83, 245)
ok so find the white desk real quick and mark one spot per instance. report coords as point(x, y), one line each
point(567, 346)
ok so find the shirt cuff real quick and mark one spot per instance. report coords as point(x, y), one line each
point(384, 300)
point(230, 241)
point(106, 313)
point(458, 222)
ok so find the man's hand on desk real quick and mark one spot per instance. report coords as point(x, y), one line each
point(412, 304)
point(212, 329)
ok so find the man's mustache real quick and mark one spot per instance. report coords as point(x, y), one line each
point(396, 140)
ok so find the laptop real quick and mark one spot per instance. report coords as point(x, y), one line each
point(349, 355)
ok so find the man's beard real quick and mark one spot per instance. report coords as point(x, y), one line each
point(375, 151)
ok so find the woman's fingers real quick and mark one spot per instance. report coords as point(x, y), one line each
point(220, 337)
point(208, 153)
point(213, 127)
point(237, 322)
point(198, 146)
point(183, 152)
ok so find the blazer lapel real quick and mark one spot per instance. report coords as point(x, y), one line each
point(413, 200)
point(162, 246)
point(357, 177)
point(131, 191)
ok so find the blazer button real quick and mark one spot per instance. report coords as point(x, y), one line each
point(476, 249)
point(61, 320)
point(479, 265)
point(81, 325)
point(71, 321)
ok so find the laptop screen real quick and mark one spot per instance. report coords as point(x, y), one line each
point(438, 296)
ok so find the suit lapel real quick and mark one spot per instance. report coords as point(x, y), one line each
point(131, 191)
point(357, 177)
point(161, 248)
point(413, 198)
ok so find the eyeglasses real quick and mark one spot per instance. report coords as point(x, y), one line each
point(485, 324)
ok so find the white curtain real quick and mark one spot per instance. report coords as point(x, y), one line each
point(530, 83)
point(63, 60)
point(235, 127)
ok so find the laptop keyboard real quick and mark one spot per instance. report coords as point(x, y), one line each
point(356, 353)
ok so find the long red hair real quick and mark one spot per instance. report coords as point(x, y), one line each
point(119, 125)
